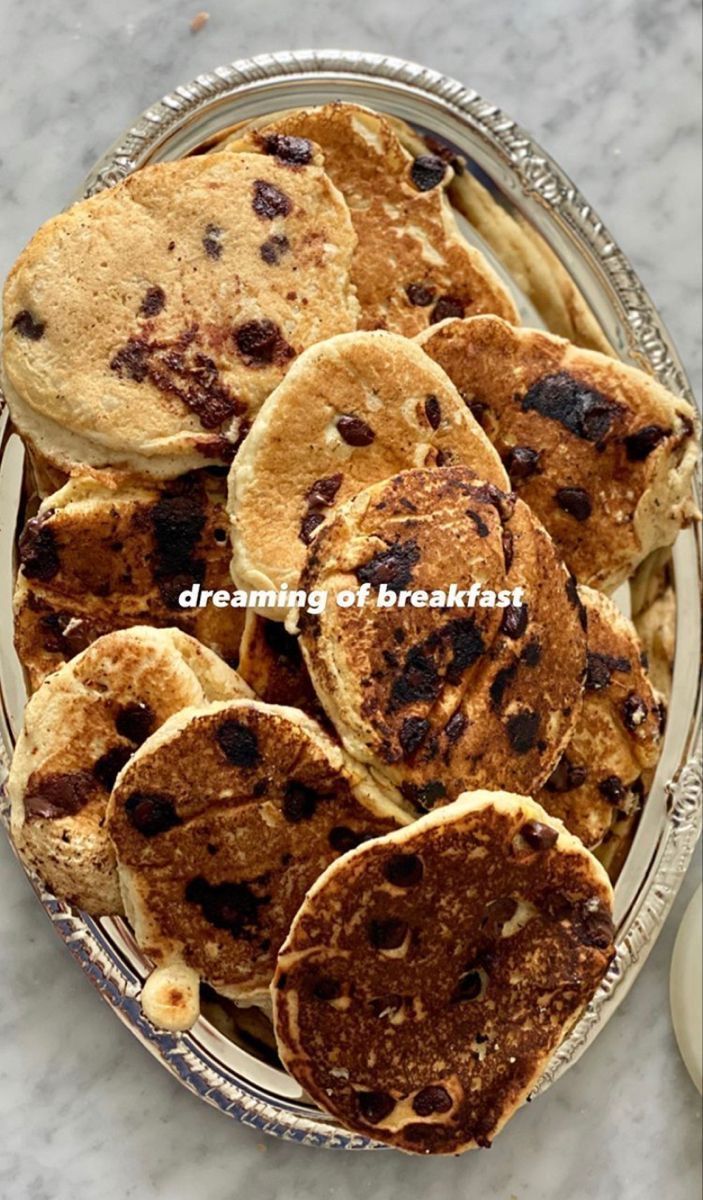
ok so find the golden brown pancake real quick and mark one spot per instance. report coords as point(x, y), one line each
point(429, 975)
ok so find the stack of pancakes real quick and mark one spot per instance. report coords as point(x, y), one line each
point(279, 365)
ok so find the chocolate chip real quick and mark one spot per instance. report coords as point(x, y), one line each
point(354, 431)
point(154, 301)
point(532, 653)
point(135, 721)
point(38, 550)
point(612, 789)
point(514, 620)
point(481, 526)
point(151, 813)
point(522, 729)
point(424, 796)
point(455, 726)
point(212, 241)
point(539, 836)
point(109, 765)
point(592, 924)
point(230, 906)
point(433, 411)
point(508, 549)
point(581, 409)
point(418, 681)
point(420, 294)
point(469, 987)
point(566, 776)
point(600, 668)
point(326, 988)
point(467, 645)
point(261, 343)
point(323, 491)
point(500, 683)
point(446, 307)
point(299, 802)
point(27, 326)
point(374, 1106)
point(308, 525)
point(274, 248)
point(238, 743)
point(412, 734)
point(574, 501)
point(498, 913)
point(640, 445)
point(573, 597)
point(382, 1006)
point(131, 361)
point(269, 201)
point(57, 795)
point(431, 1100)
point(294, 151)
point(404, 870)
point(634, 711)
point(427, 172)
point(388, 934)
point(64, 633)
point(392, 566)
point(342, 839)
point(521, 462)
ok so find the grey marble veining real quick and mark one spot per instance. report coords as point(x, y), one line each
point(611, 88)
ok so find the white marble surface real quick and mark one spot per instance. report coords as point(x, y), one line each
point(611, 87)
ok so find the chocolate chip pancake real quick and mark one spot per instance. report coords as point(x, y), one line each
point(220, 824)
point(440, 699)
point(411, 266)
point(605, 771)
point(272, 663)
point(144, 327)
point(429, 975)
point(80, 729)
point(601, 452)
point(352, 411)
point(101, 556)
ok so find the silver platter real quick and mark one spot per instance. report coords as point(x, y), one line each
point(595, 290)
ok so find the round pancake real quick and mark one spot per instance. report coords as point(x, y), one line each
point(601, 452)
point(605, 771)
point(80, 728)
point(411, 266)
point(429, 975)
point(144, 327)
point(352, 411)
point(271, 662)
point(437, 700)
point(221, 822)
point(101, 556)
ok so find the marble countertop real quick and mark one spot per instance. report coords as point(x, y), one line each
point(611, 88)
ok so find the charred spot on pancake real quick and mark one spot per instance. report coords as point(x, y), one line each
point(412, 734)
point(522, 729)
point(539, 836)
point(430, 1100)
point(354, 431)
point(299, 802)
point(393, 566)
point(151, 813)
point(521, 462)
point(310, 522)
point(575, 501)
point(404, 870)
point(500, 683)
point(341, 838)
point(274, 248)
point(514, 620)
point(566, 776)
point(374, 1107)
point(153, 302)
point(427, 172)
point(108, 766)
point(238, 743)
point(481, 526)
point(135, 721)
point(261, 344)
point(387, 933)
point(634, 711)
point(455, 726)
point(282, 643)
point(59, 794)
point(418, 681)
point(230, 906)
point(326, 988)
point(212, 241)
point(27, 326)
point(639, 445)
point(269, 201)
point(38, 550)
point(294, 151)
point(433, 411)
point(322, 492)
point(612, 789)
point(581, 409)
point(177, 522)
point(420, 295)
point(600, 669)
point(446, 307)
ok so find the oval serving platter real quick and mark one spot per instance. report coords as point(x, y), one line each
point(567, 275)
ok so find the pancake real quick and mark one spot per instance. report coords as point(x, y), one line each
point(80, 728)
point(100, 557)
point(144, 326)
point(272, 663)
point(429, 975)
point(220, 824)
point(437, 700)
point(604, 774)
point(352, 411)
point(411, 266)
point(601, 452)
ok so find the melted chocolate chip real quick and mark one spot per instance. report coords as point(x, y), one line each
point(354, 431)
point(572, 594)
point(508, 549)
point(131, 361)
point(151, 813)
point(27, 326)
point(420, 294)
point(446, 307)
point(135, 722)
point(230, 906)
point(374, 1107)
point(467, 645)
point(404, 870)
point(109, 765)
point(481, 526)
point(418, 681)
point(212, 241)
point(592, 924)
point(412, 734)
point(566, 776)
point(634, 711)
point(392, 566)
point(427, 172)
point(469, 987)
point(581, 409)
point(497, 914)
point(261, 343)
point(64, 633)
point(639, 445)
point(310, 522)
point(341, 838)
point(514, 620)
point(455, 726)
point(521, 462)
point(539, 836)
point(532, 653)
point(238, 743)
point(433, 411)
point(299, 802)
point(153, 302)
point(388, 934)
point(177, 368)
point(326, 988)
point(522, 729)
point(274, 248)
point(323, 491)
point(424, 796)
point(382, 1006)
point(574, 501)
point(294, 151)
point(500, 683)
point(269, 201)
point(38, 550)
point(612, 789)
point(600, 668)
point(57, 795)
point(431, 1100)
